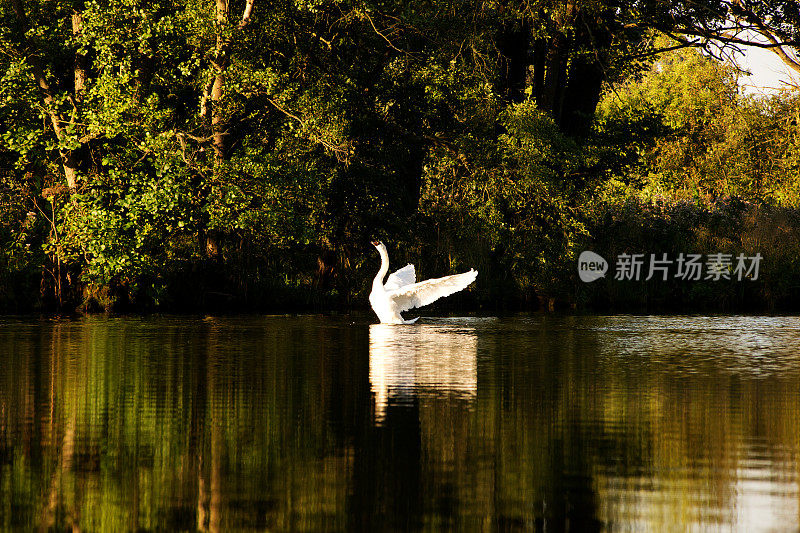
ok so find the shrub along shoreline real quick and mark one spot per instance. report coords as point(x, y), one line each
point(631, 226)
point(729, 226)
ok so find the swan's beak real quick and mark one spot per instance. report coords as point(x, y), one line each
point(376, 243)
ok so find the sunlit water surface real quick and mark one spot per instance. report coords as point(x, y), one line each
point(332, 424)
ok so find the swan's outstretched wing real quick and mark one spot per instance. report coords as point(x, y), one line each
point(401, 278)
point(430, 290)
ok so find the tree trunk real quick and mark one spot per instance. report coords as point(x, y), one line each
point(555, 76)
point(210, 103)
point(326, 265)
point(581, 97)
point(586, 74)
point(211, 100)
point(513, 42)
point(68, 159)
point(220, 64)
point(539, 56)
point(79, 65)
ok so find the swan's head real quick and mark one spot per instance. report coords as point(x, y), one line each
point(378, 246)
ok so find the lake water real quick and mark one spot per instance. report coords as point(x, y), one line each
point(540, 423)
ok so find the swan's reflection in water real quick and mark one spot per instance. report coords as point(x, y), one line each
point(406, 362)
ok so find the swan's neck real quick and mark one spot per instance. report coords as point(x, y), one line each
point(378, 282)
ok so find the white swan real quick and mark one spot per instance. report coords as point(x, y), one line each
point(401, 292)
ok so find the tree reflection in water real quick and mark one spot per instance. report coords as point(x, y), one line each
point(319, 424)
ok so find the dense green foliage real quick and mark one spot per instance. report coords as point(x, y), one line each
point(183, 154)
point(693, 135)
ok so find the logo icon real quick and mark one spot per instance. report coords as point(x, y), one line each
point(591, 266)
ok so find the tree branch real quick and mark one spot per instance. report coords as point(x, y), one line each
point(248, 11)
point(391, 44)
point(342, 152)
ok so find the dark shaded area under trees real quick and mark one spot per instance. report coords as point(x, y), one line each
point(239, 155)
